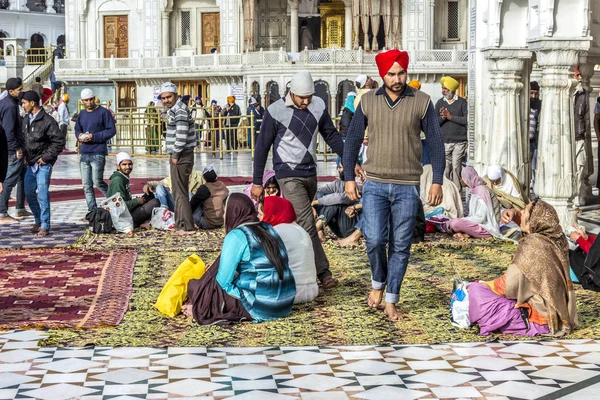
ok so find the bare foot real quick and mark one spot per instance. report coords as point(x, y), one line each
point(392, 312)
point(461, 236)
point(346, 242)
point(43, 232)
point(183, 233)
point(322, 237)
point(186, 309)
point(375, 298)
point(145, 225)
point(8, 220)
point(35, 228)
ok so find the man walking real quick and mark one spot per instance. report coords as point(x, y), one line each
point(43, 144)
point(452, 111)
point(93, 129)
point(11, 123)
point(395, 115)
point(581, 106)
point(181, 141)
point(291, 125)
point(63, 114)
point(232, 110)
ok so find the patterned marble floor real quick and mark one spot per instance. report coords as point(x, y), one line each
point(524, 370)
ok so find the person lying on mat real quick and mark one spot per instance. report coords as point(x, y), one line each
point(251, 279)
point(279, 213)
point(535, 296)
point(140, 207)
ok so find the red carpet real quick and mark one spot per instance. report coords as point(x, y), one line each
point(64, 288)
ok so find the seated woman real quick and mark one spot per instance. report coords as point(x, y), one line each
point(279, 213)
point(484, 210)
point(585, 260)
point(251, 279)
point(270, 186)
point(451, 204)
point(506, 187)
point(535, 295)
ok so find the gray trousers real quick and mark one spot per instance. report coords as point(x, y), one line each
point(180, 182)
point(300, 192)
point(455, 153)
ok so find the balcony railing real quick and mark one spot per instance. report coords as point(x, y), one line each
point(228, 63)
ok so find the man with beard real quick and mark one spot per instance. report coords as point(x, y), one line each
point(140, 208)
point(395, 115)
point(335, 210)
point(535, 107)
point(452, 115)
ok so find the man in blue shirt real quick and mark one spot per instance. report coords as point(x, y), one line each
point(95, 126)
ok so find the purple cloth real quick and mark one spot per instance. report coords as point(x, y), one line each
point(472, 229)
point(495, 313)
point(477, 185)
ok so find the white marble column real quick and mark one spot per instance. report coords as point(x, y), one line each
point(50, 7)
point(556, 168)
point(82, 48)
point(348, 25)
point(165, 42)
point(505, 139)
point(431, 25)
point(294, 25)
point(230, 26)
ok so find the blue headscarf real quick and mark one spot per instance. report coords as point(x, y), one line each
point(349, 104)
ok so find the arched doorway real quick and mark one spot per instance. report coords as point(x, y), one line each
point(322, 91)
point(36, 54)
point(2, 35)
point(36, 41)
point(255, 92)
point(272, 94)
point(344, 87)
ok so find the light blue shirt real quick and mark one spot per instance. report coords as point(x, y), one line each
point(235, 249)
point(32, 116)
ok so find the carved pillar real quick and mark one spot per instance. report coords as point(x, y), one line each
point(586, 68)
point(505, 139)
point(430, 30)
point(82, 37)
point(165, 42)
point(50, 7)
point(556, 168)
point(356, 22)
point(348, 25)
point(365, 12)
point(294, 25)
point(249, 18)
point(375, 14)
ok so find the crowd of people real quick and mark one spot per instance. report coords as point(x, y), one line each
point(401, 173)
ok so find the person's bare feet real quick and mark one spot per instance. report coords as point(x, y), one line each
point(322, 237)
point(392, 312)
point(35, 228)
point(43, 232)
point(346, 242)
point(375, 298)
point(183, 233)
point(145, 225)
point(461, 236)
point(186, 309)
point(8, 220)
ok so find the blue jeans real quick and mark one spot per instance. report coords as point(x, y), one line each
point(165, 197)
point(13, 174)
point(92, 175)
point(394, 206)
point(39, 204)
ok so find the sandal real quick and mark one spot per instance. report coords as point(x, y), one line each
point(329, 282)
point(43, 232)
point(35, 228)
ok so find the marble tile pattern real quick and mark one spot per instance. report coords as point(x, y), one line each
point(524, 370)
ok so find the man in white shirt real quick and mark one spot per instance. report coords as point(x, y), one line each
point(63, 114)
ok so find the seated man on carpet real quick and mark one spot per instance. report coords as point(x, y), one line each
point(251, 280)
point(535, 296)
point(162, 189)
point(333, 208)
point(506, 187)
point(208, 201)
point(140, 208)
point(280, 214)
point(270, 186)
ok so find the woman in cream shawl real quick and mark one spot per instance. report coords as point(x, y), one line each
point(535, 295)
point(451, 204)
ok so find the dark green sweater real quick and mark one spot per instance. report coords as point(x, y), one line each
point(119, 183)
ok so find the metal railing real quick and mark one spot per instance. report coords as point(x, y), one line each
point(143, 130)
point(33, 56)
point(230, 62)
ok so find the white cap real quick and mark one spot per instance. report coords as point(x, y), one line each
point(361, 81)
point(351, 94)
point(253, 101)
point(87, 94)
point(122, 156)
point(208, 168)
point(494, 172)
point(302, 84)
point(168, 87)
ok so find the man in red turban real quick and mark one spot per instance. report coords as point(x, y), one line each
point(386, 60)
point(395, 115)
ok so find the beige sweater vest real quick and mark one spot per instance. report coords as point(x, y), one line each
point(394, 153)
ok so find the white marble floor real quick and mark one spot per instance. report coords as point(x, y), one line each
point(523, 370)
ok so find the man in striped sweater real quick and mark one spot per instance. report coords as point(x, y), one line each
point(181, 141)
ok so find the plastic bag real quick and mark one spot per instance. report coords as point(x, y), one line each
point(121, 218)
point(174, 292)
point(459, 305)
point(162, 218)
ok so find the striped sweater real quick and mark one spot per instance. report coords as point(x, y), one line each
point(180, 129)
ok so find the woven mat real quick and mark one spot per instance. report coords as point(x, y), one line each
point(17, 236)
point(337, 317)
point(64, 288)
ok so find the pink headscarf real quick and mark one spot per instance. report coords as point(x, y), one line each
point(477, 185)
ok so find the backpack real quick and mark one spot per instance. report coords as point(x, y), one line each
point(100, 221)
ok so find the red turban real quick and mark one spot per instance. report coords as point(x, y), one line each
point(278, 210)
point(386, 59)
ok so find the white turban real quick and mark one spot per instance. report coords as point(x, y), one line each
point(122, 156)
point(168, 87)
point(495, 172)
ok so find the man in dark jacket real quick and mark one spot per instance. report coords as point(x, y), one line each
point(43, 144)
point(3, 158)
point(232, 110)
point(140, 207)
point(581, 108)
point(11, 123)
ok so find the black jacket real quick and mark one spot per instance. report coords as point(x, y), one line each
point(3, 155)
point(11, 122)
point(43, 138)
point(345, 121)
